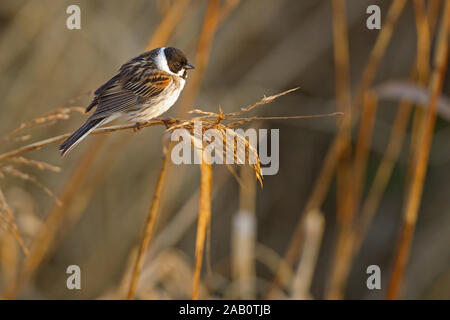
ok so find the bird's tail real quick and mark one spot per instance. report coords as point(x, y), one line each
point(80, 134)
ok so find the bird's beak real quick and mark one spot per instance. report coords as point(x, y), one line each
point(189, 66)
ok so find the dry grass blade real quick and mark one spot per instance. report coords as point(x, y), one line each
point(34, 163)
point(11, 226)
point(316, 199)
point(51, 117)
point(383, 173)
point(241, 121)
point(423, 58)
point(424, 145)
point(183, 220)
point(264, 100)
point(345, 242)
point(379, 48)
point(26, 177)
point(204, 216)
point(16, 139)
point(227, 8)
point(363, 144)
point(33, 146)
point(344, 174)
point(314, 228)
point(243, 238)
point(10, 223)
point(215, 15)
point(207, 33)
point(149, 226)
point(238, 158)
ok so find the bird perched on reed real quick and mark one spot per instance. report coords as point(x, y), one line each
point(144, 88)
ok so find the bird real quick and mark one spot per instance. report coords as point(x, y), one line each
point(144, 88)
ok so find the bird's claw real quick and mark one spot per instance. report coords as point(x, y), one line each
point(138, 126)
point(165, 121)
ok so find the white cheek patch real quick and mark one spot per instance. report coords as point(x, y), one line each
point(161, 61)
point(181, 72)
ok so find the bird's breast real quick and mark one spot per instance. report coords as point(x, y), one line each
point(159, 104)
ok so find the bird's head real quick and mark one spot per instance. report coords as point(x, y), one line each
point(177, 61)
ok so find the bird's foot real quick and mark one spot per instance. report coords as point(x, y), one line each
point(138, 126)
point(165, 121)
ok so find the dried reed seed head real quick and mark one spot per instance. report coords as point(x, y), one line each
point(27, 177)
point(250, 151)
point(49, 118)
point(41, 165)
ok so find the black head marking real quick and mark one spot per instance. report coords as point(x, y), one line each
point(176, 60)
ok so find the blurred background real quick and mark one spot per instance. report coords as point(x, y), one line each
point(309, 233)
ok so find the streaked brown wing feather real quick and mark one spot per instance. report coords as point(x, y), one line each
point(130, 90)
point(148, 84)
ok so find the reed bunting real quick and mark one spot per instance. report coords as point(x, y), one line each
point(144, 88)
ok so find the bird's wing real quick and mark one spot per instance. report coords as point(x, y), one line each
point(130, 90)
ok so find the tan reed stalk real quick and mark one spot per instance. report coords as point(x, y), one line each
point(423, 58)
point(168, 23)
point(379, 49)
point(243, 237)
point(344, 174)
point(227, 8)
point(418, 178)
point(393, 149)
point(215, 15)
point(204, 216)
point(149, 225)
point(345, 242)
point(317, 197)
point(342, 82)
point(363, 142)
point(32, 146)
point(302, 279)
point(210, 25)
point(9, 253)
